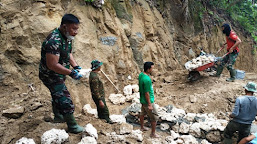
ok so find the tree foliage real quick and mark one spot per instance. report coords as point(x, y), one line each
point(242, 11)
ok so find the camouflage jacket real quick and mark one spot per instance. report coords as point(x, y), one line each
point(58, 45)
point(96, 86)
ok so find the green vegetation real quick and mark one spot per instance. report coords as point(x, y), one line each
point(242, 11)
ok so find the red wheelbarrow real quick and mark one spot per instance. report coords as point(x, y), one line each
point(194, 74)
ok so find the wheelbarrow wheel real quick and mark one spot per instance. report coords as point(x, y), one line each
point(193, 75)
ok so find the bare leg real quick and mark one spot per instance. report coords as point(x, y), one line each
point(153, 135)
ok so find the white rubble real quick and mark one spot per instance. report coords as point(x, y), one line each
point(88, 110)
point(117, 98)
point(118, 118)
point(127, 90)
point(195, 130)
point(188, 139)
point(126, 128)
point(135, 88)
point(133, 97)
point(54, 136)
point(184, 128)
point(175, 128)
point(173, 135)
point(91, 131)
point(190, 117)
point(137, 134)
point(199, 61)
point(25, 140)
point(85, 72)
point(88, 140)
point(164, 126)
point(205, 142)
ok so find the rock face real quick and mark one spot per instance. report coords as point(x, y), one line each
point(54, 136)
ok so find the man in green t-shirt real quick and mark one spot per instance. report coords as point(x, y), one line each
point(147, 98)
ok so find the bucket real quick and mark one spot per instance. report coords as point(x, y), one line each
point(240, 74)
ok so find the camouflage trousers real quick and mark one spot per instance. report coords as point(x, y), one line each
point(230, 60)
point(232, 127)
point(103, 113)
point(61, 98)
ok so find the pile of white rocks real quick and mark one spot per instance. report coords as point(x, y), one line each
point(199, 61)
point(130, 94)
point(183, 127)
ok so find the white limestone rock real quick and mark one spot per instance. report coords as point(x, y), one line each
point(54, 136)
point(25, 140)
point(88, 140)
point(117, 98)
point(118, 118)
point(90, 130)
point(88, 110)
point(173, 135)
point(170, 140)
point(188, 139)
point(135, 88)
point(164, 126)
point(195, 130)
point(178, 112)
point(126, 128)
point(175, 128)
point(184, 128)
point(137, 134)
point(133, 96)
point(190, 117)
point(127, 90)
point(205, 142)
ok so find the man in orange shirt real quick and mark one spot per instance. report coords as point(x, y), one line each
point(232, 49)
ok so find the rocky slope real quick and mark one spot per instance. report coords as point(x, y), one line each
point(123, 34)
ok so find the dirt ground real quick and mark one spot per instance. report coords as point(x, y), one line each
point(207, 95)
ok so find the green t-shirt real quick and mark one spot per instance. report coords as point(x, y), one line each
point(145, 85)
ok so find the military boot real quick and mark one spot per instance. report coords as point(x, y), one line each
point(232, 76)
point(58, 117)
point(219, 71)
point(73, 127)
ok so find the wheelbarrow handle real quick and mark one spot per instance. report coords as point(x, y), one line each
point(225, 55)
point(220, 49)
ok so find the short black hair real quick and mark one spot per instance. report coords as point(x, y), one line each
point(147, 65)
point(69, 19)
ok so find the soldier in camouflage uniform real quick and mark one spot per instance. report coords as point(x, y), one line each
point(97, 91)
point(56, 58)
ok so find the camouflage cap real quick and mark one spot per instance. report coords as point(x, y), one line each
point(95, 64)
point(250, 86)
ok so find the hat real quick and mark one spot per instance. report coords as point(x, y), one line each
point(95, 64)
point(250, 86)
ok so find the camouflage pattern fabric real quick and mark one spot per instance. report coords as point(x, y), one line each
point(57, 45)
point(230, 60)
point(97, 91)
point(96, 86)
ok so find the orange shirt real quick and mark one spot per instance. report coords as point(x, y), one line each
point(231, 40)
